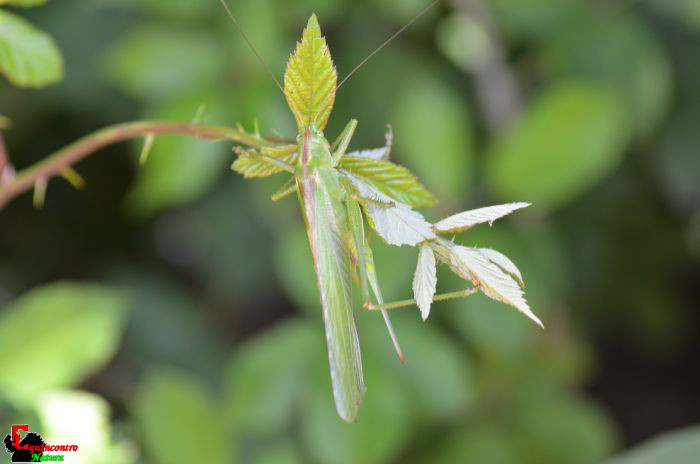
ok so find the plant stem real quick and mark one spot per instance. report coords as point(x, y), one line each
point(3, 155)
point(83, 147)
point(412, 302)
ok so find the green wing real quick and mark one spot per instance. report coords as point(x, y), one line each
point(327, 227)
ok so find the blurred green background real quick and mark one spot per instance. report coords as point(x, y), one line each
point(168, 314)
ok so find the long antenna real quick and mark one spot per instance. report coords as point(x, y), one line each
point(386, 42)
point(250, 45)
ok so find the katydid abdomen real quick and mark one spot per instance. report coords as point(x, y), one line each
point(320, 196)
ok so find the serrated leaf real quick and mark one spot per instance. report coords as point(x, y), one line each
point(394, 180)
point(394, 222)
point(249, 165)
point(379, 154)
point(310, 79)
point(372, 153)
point(28, 56)
point(502, 261)
point(465, 220)
point(472, 265)
point(425, 280)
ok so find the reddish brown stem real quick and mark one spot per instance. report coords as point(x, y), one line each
point(71, 154)
point(4, 161)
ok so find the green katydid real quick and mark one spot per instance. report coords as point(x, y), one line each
point(338, 192)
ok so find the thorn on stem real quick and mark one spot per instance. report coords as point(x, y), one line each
point(73, 178)
point(146, 150)
point(199, 113)
point(40, 192)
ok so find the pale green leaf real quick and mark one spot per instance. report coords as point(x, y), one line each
point(77, 327)
point(394, 222)
point(28, 56)
point(571, 137)
point(425, 280)
point(250, 165)
point(677, 447)
point(472, 265)
point(372, 154)
point(379, 154)
point(463, 221)
point(310, 79)
point(73, 416)
point(392, 179)
point(502, 261)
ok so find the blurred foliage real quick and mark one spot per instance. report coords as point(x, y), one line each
point(28, 56)
point(204, 342)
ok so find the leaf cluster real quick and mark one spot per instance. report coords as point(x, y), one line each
point(386, 192)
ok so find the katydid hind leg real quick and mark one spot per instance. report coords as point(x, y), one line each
point(374, 284)
point(365, 265)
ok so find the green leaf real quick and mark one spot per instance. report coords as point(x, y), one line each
point(621, 55)
point(439, 377)
point(249, 165)
point(391, 179)
point(264, 387)
point(438, 145)
point(310, 79)
point(571, 137)
point(678, 447)
point(381, 432)
point(77, 328)
point(502, 261)
point(59, 411)
point(394, 222)
point(556, 429)
point(280, 453)
point(22, 3)
point(148, 62)
point(28, 56)
point(481, 443)
point(467, 219)
point(425, 280)
point(171, 410)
